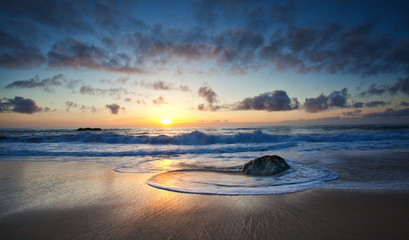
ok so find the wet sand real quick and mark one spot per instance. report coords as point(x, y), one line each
point(70, 200)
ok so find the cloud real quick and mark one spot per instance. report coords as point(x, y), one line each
point(390, 112)
point(57, 15)
point(113, 92)
point(208, 12)
point(159, 101)
point(333, 48)
point(160, 85)
point(403, 103)
point(313, 105)
point(46, 84)
point(16, 54)
point(166, 86)
point(92, 109)
point(369, 104)
point(352, 113)
point(375, 104)
point(277, 100)
point(71, 53)
point(322, 102)
point(19, 105)
point(69, 105)
point(237, 46)
point(210, 96)
point(358, 105)
point(236, 36)
point(72, 105)
point(401, 85)
point(114, 108)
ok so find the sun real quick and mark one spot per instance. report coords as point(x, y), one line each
point(166, 121)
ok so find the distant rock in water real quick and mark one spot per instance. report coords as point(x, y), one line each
point(89, 129)
point(266, 166)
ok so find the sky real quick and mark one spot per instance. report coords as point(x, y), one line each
point(203, 63)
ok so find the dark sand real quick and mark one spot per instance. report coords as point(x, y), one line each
point(70, 200)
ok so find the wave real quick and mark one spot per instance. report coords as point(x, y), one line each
point(299, 178)
point(147, 152)
point(201, 138)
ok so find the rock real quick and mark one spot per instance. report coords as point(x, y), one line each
point(265, 166)
point(89, 129)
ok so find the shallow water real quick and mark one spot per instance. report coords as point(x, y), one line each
point(208, 160)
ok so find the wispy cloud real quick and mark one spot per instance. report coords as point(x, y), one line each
point(46, 84)
point(71, 53)
point(14, 53)
point(159, 101)
point(113, 92)
point(164, 85)
point(390, 112)
point(401, 85)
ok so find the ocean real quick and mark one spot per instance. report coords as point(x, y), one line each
point(208, 160)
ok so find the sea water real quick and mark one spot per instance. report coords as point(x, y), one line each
point(208, 160)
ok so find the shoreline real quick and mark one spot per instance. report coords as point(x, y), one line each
point(77, 200)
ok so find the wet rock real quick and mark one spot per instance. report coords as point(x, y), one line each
point(89, 129)
point(265, 166)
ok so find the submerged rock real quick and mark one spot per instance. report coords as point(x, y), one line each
point(89, 129)
point(265, 166)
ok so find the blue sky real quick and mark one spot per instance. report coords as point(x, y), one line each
point(203, 63)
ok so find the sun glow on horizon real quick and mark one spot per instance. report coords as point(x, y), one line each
point(166, 121)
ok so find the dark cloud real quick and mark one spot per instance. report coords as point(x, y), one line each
point(317, 104)
point(14, 53)
point(159, 85)
point(277, 100)
point(400, 86)
point(258, 34)
point(333, 48)
point(338, 98)
point(69, 105)
point(114, 108)
point(159, 101)
point(49, 13)
point(358, 104)
point(375, 104)
point(72, 53)
point(322, 102)
point(237, 46)
point(370, 104)
point(374, 90)
point(389, 113)
point(208, 12)
point(403, 103)
point(19, 105)
point(352, 113)
point(210, 96)
point(46, 84)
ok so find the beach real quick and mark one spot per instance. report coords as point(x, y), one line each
point(88, 200)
